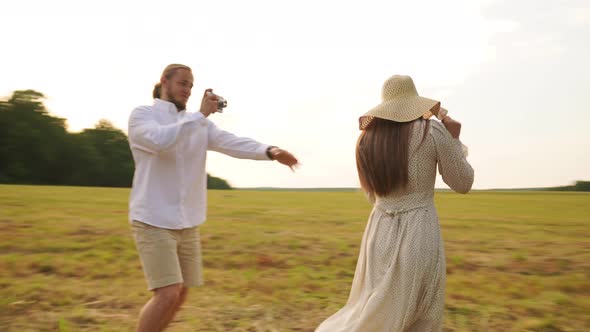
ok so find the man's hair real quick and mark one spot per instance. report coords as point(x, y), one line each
point(168, 72)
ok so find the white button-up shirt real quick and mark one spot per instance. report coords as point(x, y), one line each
point(170, 149)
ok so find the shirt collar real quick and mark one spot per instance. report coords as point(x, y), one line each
point(166, 106)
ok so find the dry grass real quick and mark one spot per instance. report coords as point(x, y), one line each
point(284, 261)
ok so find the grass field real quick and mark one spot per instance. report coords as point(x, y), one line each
point(284, 261)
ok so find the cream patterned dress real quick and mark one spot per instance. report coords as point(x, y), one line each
point(399, 282)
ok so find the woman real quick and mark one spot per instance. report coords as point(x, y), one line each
point(399, 282)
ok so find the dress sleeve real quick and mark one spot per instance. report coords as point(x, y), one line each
point(451, 155)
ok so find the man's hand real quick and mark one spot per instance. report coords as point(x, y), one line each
point(209, 103)
point(284, 157)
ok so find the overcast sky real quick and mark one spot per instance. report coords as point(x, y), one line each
point(298, 75)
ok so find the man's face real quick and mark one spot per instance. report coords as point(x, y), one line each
point(178, 88)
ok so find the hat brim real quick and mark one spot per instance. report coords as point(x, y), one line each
point(399, 110)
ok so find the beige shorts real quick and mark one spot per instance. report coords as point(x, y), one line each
point(169, 256)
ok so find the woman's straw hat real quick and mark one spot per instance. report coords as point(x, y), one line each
point(401, 103)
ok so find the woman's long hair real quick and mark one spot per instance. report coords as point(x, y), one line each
point(382, 154)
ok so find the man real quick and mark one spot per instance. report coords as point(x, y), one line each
point(168, 198)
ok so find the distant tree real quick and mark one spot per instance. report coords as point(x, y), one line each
point(31, 141)
point(35, 148)
point(115, 167)
point(578, 186)
point(582, 186)
point(85, 165)
point(217, 183)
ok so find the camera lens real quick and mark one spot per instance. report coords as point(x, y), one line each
point(221, 103)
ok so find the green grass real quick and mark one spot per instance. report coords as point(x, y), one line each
point(284, 261)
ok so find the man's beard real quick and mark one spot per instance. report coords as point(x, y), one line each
point(179, 104)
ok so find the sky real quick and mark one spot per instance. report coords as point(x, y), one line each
point(298, 74)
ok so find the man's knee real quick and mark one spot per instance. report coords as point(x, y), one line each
point(169, 295)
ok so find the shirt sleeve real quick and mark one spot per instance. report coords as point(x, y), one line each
point(456, 171)
point(234, 146)
point(148, 135)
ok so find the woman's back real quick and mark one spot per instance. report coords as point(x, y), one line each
point(425, 153)
point(399, 281)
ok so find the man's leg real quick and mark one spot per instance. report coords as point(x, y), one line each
point(179, 302)
point(161, 308)
point(158, 251)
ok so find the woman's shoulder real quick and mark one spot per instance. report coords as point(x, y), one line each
point(442, 138)
point(438, 130)
point(436, 125)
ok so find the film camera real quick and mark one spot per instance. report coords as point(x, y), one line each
point(221, 102)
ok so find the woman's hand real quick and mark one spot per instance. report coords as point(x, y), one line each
point(453, 126)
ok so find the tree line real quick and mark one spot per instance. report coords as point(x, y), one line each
point(578, 186)
point(36, 148)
